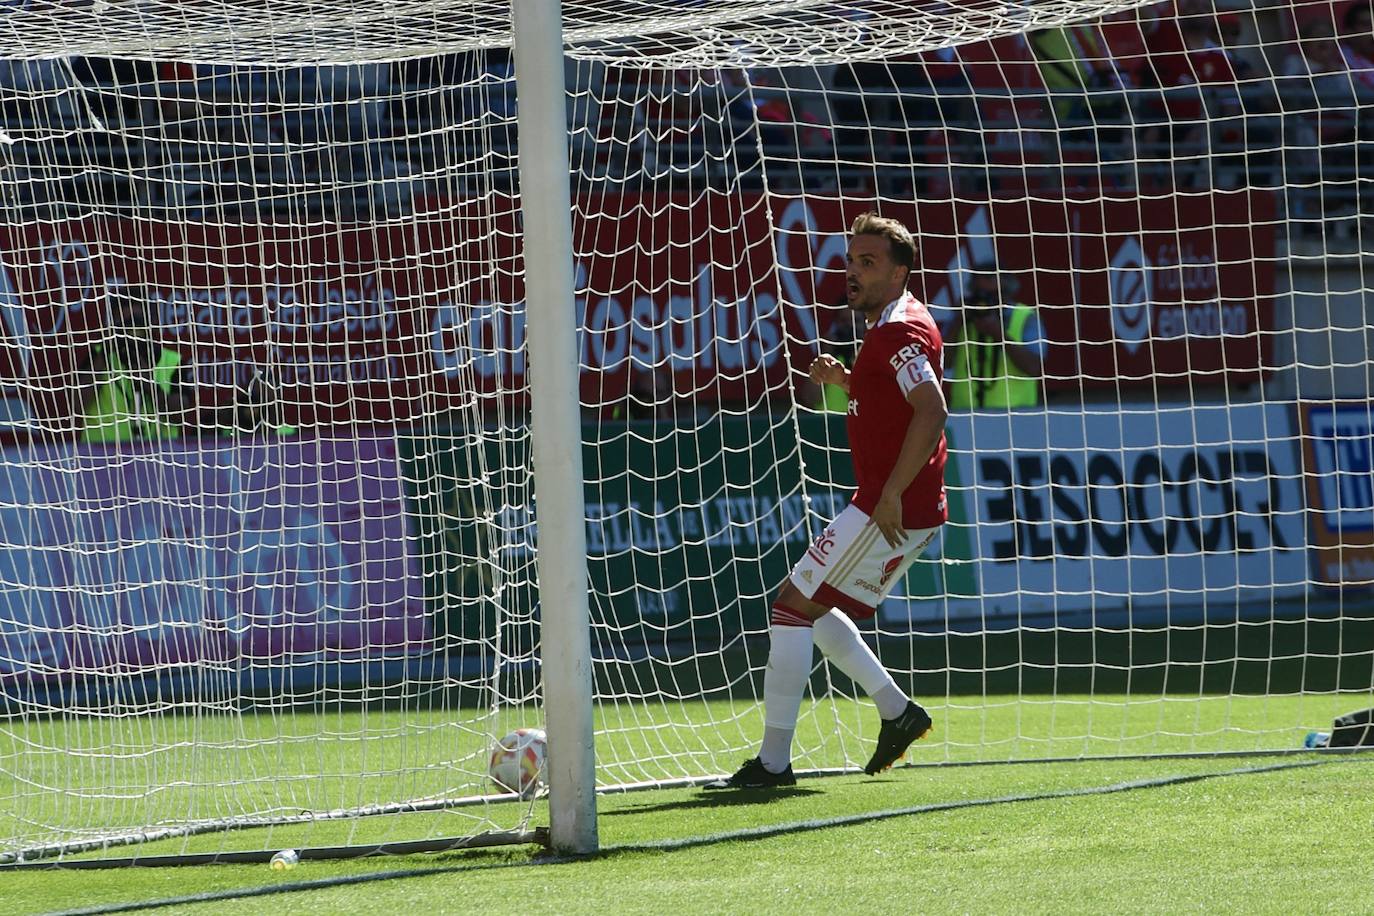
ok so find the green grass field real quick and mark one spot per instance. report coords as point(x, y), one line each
point(1260, 834)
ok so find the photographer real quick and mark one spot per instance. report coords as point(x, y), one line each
point(994, 347)
point(138, 393)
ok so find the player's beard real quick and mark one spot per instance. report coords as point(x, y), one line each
point(863, 300)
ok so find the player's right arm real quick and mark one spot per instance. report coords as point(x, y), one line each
point(827, 370)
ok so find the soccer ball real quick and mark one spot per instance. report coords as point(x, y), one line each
point(517, 763)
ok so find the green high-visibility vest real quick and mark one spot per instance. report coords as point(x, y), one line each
point(834, 398)
point(1062, 55)
point(980, 373)
point(115, 414)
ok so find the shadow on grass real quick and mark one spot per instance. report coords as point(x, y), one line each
point(486, 858)
point(721, 798)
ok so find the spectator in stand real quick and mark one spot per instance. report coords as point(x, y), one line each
point(621, 129)
point(1230, 39)
point(783, 124)
point(1357, 41)
point(933, 168)
point(651, 394)
point(1357, 47)
point(39, 91)
point(950, 83)
point(1355, 44)
point(1197, 79)
point(1323, 102)
point(1247, 134)
point(865, 108)
point(1322, 60)
point(395, 183)
point(137, 392)
point(179, 108)
point(1075, 64)
point(1204, 63)
point(118, 88)
point(996, 347)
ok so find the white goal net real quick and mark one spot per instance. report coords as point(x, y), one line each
point(267, 546)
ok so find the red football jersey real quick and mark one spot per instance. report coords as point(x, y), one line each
point(901, 351)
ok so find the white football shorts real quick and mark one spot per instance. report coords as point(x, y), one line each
point(852, 567)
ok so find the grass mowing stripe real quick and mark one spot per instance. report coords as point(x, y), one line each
point(750, 833)
point(322, 883)
point(538, 835)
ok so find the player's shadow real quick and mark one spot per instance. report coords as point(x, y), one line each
point(720, 799)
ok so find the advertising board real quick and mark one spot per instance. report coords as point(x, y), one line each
point(1337, 444)
point(1147, 507)
point(284, 553)
point(374, 324)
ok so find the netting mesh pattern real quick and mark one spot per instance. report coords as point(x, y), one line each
point(707, 33)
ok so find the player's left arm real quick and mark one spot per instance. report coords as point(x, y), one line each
point(921, 387)
point(928, 415)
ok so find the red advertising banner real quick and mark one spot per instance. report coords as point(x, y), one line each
point(1157, 291)
point(374, 324)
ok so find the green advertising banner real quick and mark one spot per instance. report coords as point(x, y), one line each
point(690, 527)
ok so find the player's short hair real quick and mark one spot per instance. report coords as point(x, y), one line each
point(901, 246)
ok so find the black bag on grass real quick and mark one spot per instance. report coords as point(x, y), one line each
point(1355, 729)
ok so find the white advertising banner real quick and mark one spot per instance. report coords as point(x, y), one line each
point(1137, 507)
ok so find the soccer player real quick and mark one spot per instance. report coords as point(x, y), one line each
point(896, 424)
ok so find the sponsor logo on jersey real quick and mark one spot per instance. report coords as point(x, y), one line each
point(806, 576)
point(906, 354)
point(853, 407)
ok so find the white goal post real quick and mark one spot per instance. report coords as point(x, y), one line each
point(556, 430)
point(379, 380)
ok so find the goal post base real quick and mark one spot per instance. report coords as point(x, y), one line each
point(537, 836)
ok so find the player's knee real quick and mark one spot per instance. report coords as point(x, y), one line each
point(784, 616)
point(858, 613)
point(793, 609)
